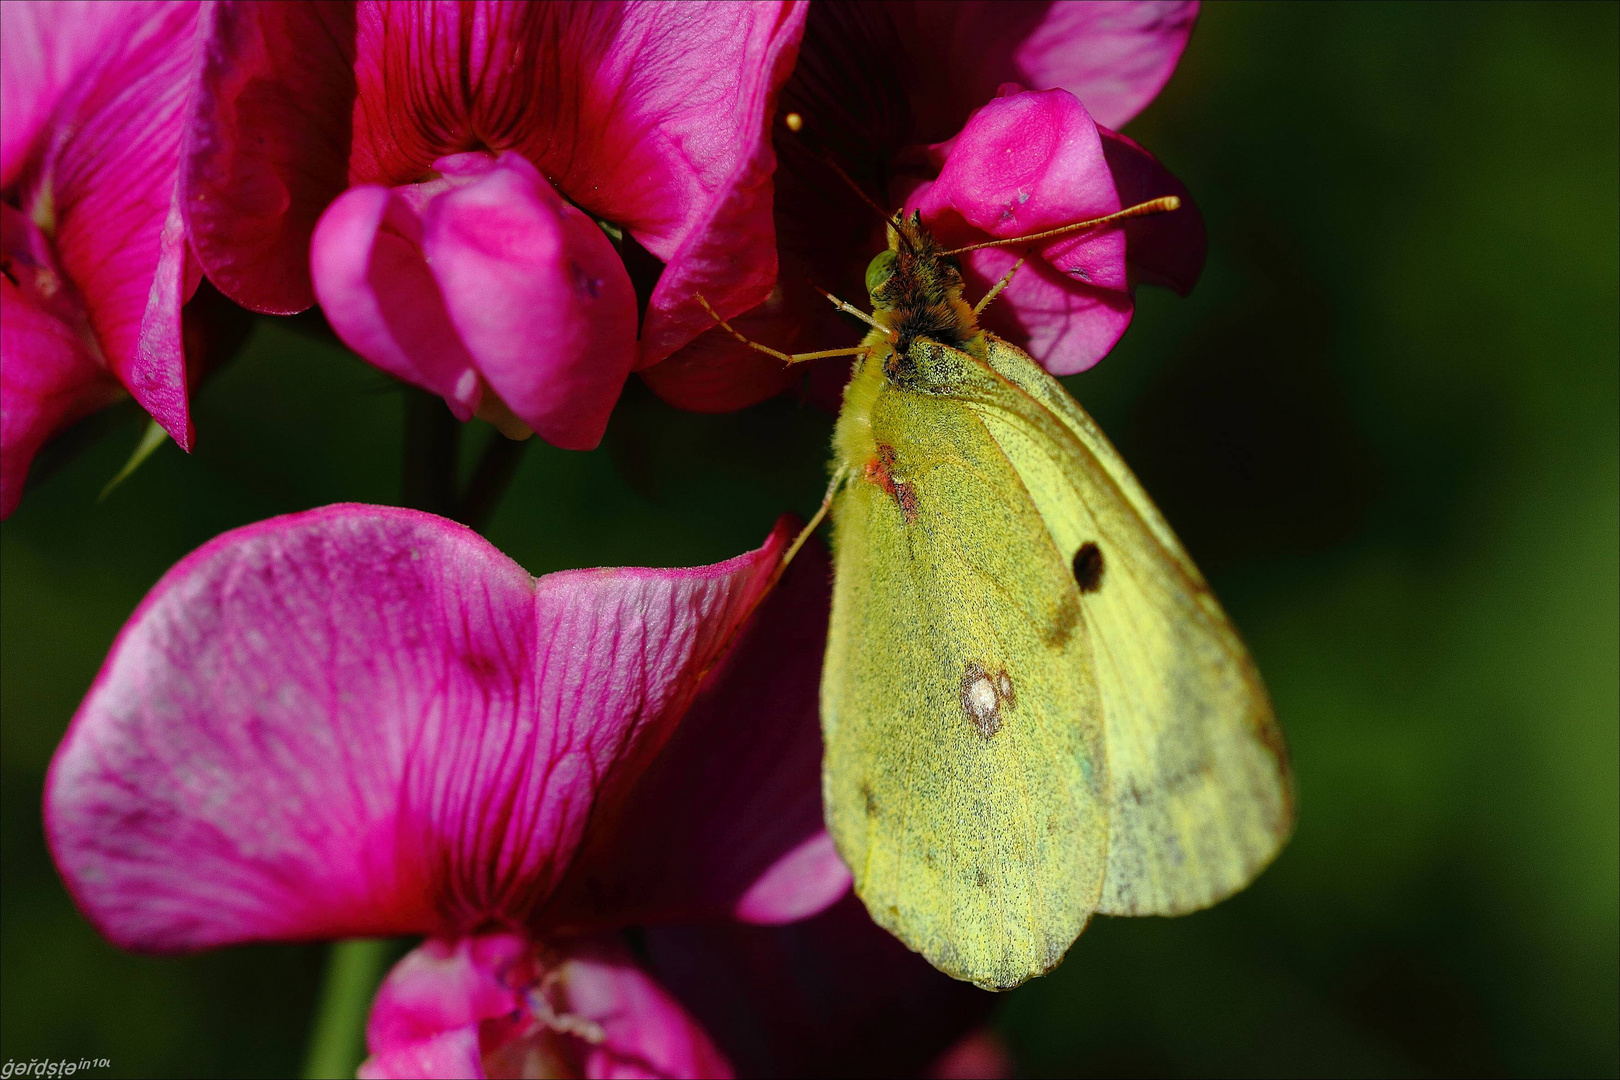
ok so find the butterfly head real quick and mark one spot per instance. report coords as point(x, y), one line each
point(916, 288)
point(913, 270)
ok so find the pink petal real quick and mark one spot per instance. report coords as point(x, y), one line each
point(47, 381)
point(641, 113)
point(268, 144)
point(675, 625)
point(807, 879)
point(497, 1005)
point(44, 48)
point(654, 116)
point(453, 1055)
point(1114, 56)
point(646, 1031)
point(727, 822)
point(715, 374)
point(726, 251)
point(443, 986)
point(1024, 163)
point(1161, 249)
point(832, 995)
point(156, 375)
point(826, 235)
point(104, 192)
point(537, 293)
point(981, 1054)
point(868, 107)
point(381, 298)
point(367, 721)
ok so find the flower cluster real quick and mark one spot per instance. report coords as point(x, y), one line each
point(595, 795)
point(463, 186)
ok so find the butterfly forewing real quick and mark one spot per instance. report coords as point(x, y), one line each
point(965, 770)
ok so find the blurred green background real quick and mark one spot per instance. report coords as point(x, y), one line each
point(1386, 426)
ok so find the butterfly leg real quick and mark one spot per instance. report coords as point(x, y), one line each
point(787, 358)
point(826, 504)
point(995, 290)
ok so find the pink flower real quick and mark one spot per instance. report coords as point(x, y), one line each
point(94, 245)
point(431, 172)
point(367, 721)
point(922, 104)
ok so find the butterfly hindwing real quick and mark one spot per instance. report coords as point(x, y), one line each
point(1202, 794)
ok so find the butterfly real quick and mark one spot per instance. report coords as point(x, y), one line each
point(1033, 707)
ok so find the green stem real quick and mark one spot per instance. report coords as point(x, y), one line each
point(432, 437)
point(337, 1043)
point(495, 470)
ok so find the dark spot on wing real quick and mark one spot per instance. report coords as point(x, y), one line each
point(869, 800)
point(1064, 620)
point(1088, 567)
point(981, 879)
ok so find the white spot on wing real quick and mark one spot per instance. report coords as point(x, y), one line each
point(982, 699)
point(984, 696)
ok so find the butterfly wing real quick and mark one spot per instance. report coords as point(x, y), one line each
point(1202, 793)
point(965, 774)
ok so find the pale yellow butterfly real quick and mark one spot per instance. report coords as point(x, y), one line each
point(1033, 707)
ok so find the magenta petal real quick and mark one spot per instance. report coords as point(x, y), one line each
point(727, 249)
point(1115, 57)
point(451, 1055)
point(979, 1055)
point(806, 880)
point(257, 758)
point(539, 296)
point(1160, 249)
point(619, 697)
point(727, 822)
point(47, 380)
point(366, 721)
point(45, 45)
point(381, 298)
point(268, 144)
point(107, 181)
point(156, 374)
point(646, 1032)
point(1027, 162)
point(497, 1004)
point(716, 374)
point(445, 986)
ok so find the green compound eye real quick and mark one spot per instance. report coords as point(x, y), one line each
point(879, 270)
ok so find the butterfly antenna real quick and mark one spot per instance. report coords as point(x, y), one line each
point(1162, 205)
point(795, 123)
